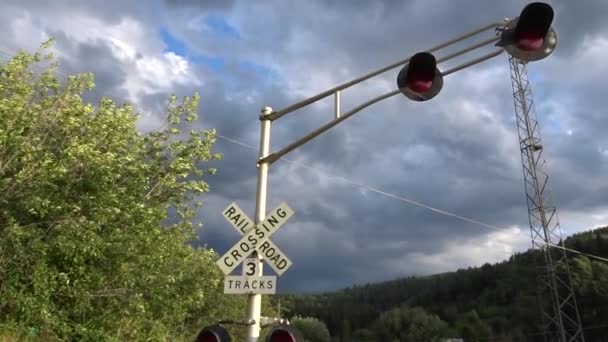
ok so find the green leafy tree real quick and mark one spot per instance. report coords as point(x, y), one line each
point(409, 324)
point(363, 335)
point(87, 249)
point(313, 329)
point(472, 328)
point(345, 330)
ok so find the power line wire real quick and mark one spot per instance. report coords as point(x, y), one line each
point(403, 199)
point(579, 252)
point(372, 189)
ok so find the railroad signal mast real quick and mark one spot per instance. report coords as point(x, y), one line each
point(527, 38)
point(531, 38)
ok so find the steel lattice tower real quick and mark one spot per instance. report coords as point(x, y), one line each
point(560, 316)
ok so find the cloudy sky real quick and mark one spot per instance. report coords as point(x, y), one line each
point(349, 187)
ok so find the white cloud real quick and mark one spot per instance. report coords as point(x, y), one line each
point(489, 248)
point(578, 221)
point(588, 65)
point(148, 69)
point(27, 33)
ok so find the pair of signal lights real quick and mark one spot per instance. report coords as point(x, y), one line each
point(280, 333)
point(527, 38)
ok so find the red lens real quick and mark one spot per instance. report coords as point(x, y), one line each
point(207, 336)
point(281, 336)
point(529, 41)
point(420, 82)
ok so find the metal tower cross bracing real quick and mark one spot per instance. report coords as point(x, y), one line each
point(560, 316)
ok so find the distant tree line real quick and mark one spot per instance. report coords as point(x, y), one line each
point(489, 303)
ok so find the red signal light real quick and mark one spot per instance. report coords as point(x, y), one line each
point(213, 333)
point(530, 37)
point(281, 336)
point(420, 80)
point(532, 26)
point(529, 42)
point(207, 336)
point(284, 333)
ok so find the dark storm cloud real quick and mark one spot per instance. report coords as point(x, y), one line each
point(112, 12)
point(458, 152)
point(95, 57)
point(201, 4)
point(365, 35)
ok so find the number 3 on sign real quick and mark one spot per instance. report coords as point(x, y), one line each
point(250, 267)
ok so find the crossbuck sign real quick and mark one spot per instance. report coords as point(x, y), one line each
point(255, 238)
point(269, 251)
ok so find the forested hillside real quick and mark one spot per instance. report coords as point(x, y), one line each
point(489, 303)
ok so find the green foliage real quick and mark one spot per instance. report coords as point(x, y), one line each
point(408, 325)
point(492, 302)
point(87, 249)
point(471, 328)
point(313, 329)
point(345, 331)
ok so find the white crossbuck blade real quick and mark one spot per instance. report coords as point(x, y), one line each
point(270, 252)
point(254, 239)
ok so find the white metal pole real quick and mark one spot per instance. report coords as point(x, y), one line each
point(254, 301)
point(337, 104)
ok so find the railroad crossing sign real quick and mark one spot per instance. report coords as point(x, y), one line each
point(270, 252)
point(255, 238)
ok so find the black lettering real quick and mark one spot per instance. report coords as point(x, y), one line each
point(230, 211)
point(253, 284)
point(243, 228)
point(281, 213)
point(281, 264)
point(270, 254)
point(263, 225)
point(263, 246)
point(230, 283)
point(246, 286)
point(270, 284)
point(235, 219)
point(276, 258)
point(238, 284)
point(260, 233)
point(273, 221)
point(261, 284)
point(236, 255)
point(251, 266)
point(226, 262)
point(244, 247)
point(252, 239)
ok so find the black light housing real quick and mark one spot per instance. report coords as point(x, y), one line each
point(213, 333)
point(284, 333)
point(420, 80)
point(530, 37)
